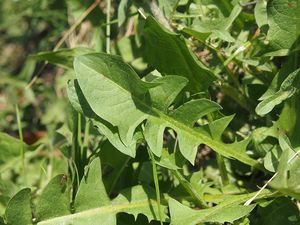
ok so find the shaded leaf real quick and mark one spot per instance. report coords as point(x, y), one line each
point(284, 25)
point(18, 211)
point(169, 54)
point(62, 57)
point(277, 212)
point(54, 200)
point(168, 6)
point(10, 149)
point(87, 199)
point(218, 27)
point(287, 89)
point(287, 179)
point(271, 160)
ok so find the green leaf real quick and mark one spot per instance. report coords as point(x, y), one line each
point(260, 13)
point(287, 179)
point(289, 121)
point(10, 150)
point(284, 26)
point(18, 211)
point(277, 212)
point(62, 57)
point(218, 27)
point(169, 54)
point(172, 161)
point(54, 200)
point(271, 160)
point(87, 199)
point(271, 98)
point(199, 35)
point(195, 109)
point(164, 94)
point(100, 75)
point(168, 6)
point(227, 211)
point(218, 126)
point(117, 90)
point(80, 104)
point(139, 200)
point(193, 192)
point(111, 156)
point(122, 10)
point(93, 205)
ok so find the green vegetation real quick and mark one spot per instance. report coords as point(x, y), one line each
point(130, 112)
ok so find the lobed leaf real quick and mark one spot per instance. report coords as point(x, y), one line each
point(92, 204)
point(228, 211)
point(217, 28)
point(111, 87)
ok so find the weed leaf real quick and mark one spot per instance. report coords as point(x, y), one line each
point(100, 75)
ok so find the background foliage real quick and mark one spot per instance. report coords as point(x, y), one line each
point(123, 112)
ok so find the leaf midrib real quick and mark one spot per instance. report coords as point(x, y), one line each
point(215, 145)
point(115, 208)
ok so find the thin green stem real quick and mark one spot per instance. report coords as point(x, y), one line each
point(242, 48)
point(220, 160)
point(79, 139)
point(21, 137)
point(115, 21)
point(222, 170)
point(86, 133)
point(119, 173)
point(108, 6)
point(155, 177)
point(85, 142)
point(179, 16)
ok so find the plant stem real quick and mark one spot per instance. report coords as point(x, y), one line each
point(155, 177)
point(108, 6)
point(79, 139)
point(222, 169)
point(21, 138)
point(119, 173)
point(242, 48)
point(220, 161)
point(86, 133)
